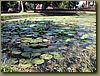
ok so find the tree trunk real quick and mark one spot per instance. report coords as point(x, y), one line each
point(22, 7)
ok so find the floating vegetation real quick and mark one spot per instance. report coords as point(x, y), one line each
point(46, 56)
point(49, 45)
point(26, 54)
point(84, 36)
point(37, 61)
point(25, 65)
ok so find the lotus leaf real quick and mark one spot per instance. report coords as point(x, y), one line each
point(46, 56)
point(37, 61)
point(68, 40)
point(39, 39)
point(70, 34)
point(45, 40)
point(6, 40)
point(54, 53)
point(23, 61)
point(35, 54)
point(63, 47)
point(41, 50)
point(58, 57)
point(24, 28)
point(16, 52)
point(84, 36)
point(25, 65)
point(32, 25)
point(43, 45)
point(12, 61)
point(49, 36)
point(34, 45)
point(26, 40)
point(86, 42)
point(26, 54)
point(49, 33)
point(31, 35)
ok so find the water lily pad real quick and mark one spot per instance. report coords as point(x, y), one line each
point(54, 53)
point(31, 35)
point(26, 40)
point(45, 40)
point(87, 42)
point(39, 39)
point(24, 28)
point(62, 47)
point(23, 61)
point(5, 40)
point(34, 45)
point(59, 57)
point(37, 61)
point(43, 45)
point(68, 40)
point(40, 50)
point(35, 54)
point(16, 52)
point(32, 25)
point(71, 35)
point(12, 61)
point(26, 54)
point(84, 36)
point(48, 37)
point(25, 65)
point(49, 33)
point(46, 56)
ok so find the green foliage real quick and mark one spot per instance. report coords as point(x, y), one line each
point(6, 68)
point(29, 5)
point(63, 4)
point(12, 4)
point(68, 4)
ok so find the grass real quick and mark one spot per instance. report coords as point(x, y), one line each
point(16, 14)
point(24, 15)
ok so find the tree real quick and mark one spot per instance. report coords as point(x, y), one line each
point(22, 7)
point(68, 4)
point(5, 5)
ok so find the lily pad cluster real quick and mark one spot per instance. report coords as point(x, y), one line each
point(53, 45)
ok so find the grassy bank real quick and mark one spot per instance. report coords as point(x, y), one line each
point(25, 15)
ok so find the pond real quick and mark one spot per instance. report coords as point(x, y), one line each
point(49, 45)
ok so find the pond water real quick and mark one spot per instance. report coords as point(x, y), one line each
point(49, 46)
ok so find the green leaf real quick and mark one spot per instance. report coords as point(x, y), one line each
point(25, 54)
point(84, 36)
point(54, 53)
point(68, 40)
point(35, 54)
point(59, 57)
point(25, 65)
point(37, 61)
point(16, 52)
point(23, 61)
point(46, 56)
